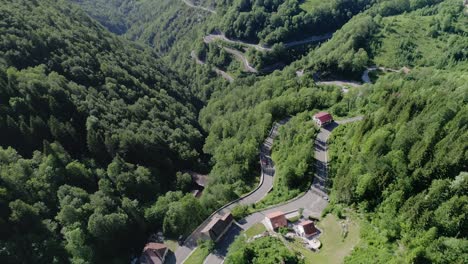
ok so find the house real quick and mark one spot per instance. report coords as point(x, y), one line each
point(275, 220)
point(217, 227)
point(307, 229)
point(323, 118)
point(153, 253)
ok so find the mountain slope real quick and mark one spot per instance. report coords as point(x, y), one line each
point(92, 130)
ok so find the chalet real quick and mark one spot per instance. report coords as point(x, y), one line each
point(217, 227)
point(154, 253)
point(275, 220)
point(307, 229)
point(323, 118)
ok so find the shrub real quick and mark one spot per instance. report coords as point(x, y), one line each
point(240, 212)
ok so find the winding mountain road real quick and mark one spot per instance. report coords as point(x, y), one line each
point(265, 185)
point(240, 56)
point(218, 71)
point(312, 201)
point(190, 4)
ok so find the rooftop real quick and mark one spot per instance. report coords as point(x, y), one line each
point(275, 214)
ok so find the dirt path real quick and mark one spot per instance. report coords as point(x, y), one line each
point(190, 4)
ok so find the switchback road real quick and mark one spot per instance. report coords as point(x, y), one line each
point(312, 201)
point(190, 4)
point(266, 183)
point(218, 71)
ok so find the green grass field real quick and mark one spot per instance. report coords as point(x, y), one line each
point(198, 256)
point(256, 229)
point(334, 248)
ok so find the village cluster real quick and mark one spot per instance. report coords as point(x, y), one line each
point(291, 225)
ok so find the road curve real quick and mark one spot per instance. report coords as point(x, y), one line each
point(190, 4)
point(266, 183)
point(218, 71)
point(312, 201)
point(242, 58)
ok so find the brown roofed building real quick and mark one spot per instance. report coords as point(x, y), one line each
point(217, 227)
point(275, 220)
point(153, 253)
point(307, 228)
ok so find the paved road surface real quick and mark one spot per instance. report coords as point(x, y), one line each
point(268, 171)
point(242, 58)
point(308, 40)
point(212, 37)
point(220, 72)
point(312, 201)
point(219, 35)
point(190, 4)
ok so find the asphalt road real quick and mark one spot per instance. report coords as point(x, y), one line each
point(312, 201)
point(220, 72)
point(268, 171)
point(190, 4)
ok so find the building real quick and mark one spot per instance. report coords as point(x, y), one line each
point(154, 253)
point(307, 229)
point(217, 227)
point(275, 220)
point(323, 118)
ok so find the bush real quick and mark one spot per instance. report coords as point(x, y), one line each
point(208, 244)
point(283, 230)
point(240, 212)
point(294, 219)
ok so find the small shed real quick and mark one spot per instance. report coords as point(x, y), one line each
point(154, 253)
point(307, 228)
point(275, 220)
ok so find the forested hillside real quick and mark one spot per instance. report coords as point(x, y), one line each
point(405, 166)
point(97, 131)
point(93, 129)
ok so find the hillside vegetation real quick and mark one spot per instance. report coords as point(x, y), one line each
point(92, 130)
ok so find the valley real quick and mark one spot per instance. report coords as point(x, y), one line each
point(233, 131)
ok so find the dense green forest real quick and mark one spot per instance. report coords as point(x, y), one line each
point(98, 130)
point(93, 129)
point(405, 166)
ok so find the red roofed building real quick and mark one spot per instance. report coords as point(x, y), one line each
point(323, 118)
point(307, 228)
point(275, 220)
point(153, 253)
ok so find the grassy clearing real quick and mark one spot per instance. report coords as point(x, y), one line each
point(198, 256)
point(334, 248)
point(171, 244)
point(254, 230)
